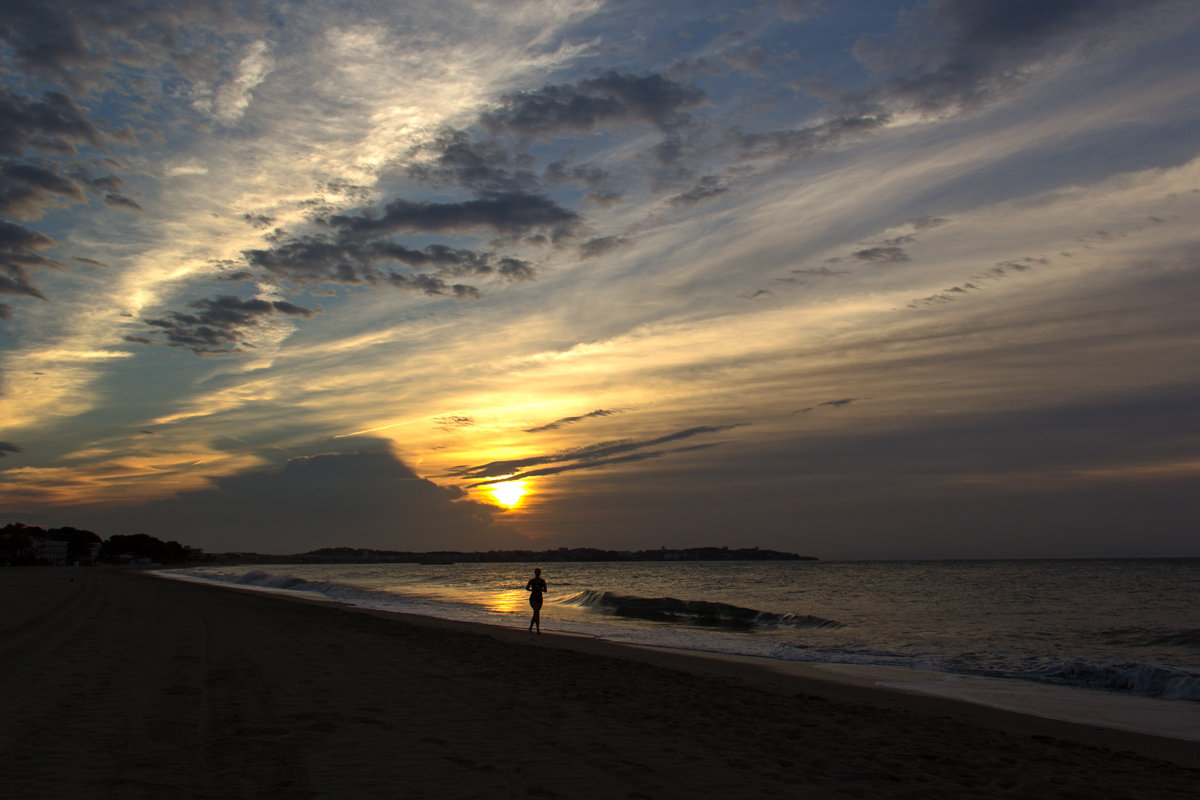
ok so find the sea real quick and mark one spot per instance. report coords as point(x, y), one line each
point(1127, 626)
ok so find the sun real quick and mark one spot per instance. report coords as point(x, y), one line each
point(509, 493)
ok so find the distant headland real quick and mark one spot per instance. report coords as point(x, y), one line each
point(349, 555)
point(28, 545)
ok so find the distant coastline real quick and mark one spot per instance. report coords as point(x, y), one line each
point(351, 555)
point(31, 545)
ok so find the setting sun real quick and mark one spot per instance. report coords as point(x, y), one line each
point(509, 493)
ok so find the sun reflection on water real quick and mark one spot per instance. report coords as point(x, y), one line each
point(507, 601)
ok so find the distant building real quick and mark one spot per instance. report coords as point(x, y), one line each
point(50, 550)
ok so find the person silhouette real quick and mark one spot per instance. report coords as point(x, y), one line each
point(536, 588)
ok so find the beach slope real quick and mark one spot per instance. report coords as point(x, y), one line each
point(120, 684)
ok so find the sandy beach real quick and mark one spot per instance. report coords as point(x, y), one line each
point(118, 684)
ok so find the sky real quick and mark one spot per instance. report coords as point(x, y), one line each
point(855, 280)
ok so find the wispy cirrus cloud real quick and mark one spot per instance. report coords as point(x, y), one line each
point(592, 456)
point(558, 423)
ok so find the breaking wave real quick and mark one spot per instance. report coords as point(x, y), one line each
point(693, 612)
point(1148, 680)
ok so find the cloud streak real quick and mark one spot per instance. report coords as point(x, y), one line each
point(597, 455)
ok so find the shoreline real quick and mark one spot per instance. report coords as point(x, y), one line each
point(1089, 708)
point(126, 684)
point(1083, 715)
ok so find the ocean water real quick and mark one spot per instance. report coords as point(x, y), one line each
point(1128, 626)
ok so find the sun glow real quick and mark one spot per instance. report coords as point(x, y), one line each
point(509, 493)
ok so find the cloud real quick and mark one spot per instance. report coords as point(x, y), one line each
point(558, 423)
point(461, 160)
point(31, 129)
point(596, 455)
point(882, 255)
point(949, 57)
point(560, 172)
point(597, 463)
point(7, 447)
point(121, 201)
point(927, 222)
point(233, 98)
point(359, 248)
point(798, 10)
point(593, 104)
point(973, 52)
point(368, 498)
point(454, 422)
point(50, 123)
point(19, 250)
point(600, 246)
point(611, 97)
point(503, 212)
point(750, 60)
point(706, 188)
point(221, 323)
point(73, 41)
point(362, 259)
point(842, 403)
point(803, 142)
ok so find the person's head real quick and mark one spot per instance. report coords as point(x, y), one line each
point(537, 573)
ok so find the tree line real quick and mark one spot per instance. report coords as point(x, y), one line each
point(19, 546)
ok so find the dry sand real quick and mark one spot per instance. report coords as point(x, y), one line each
point(116, 684)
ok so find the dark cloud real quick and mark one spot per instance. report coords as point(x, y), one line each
point(360, 259)
point(956, 55)
point(842, 403)
point(49, 123)
point(560, 172)
point(7, 447)
point(359, 248)
point(220, 324)
point(706, 188)
point(580, 458)
point(367, 498)
point(503, 212)
point(803, 142)
point(121, 201)
point(91, 262)
point(19, 250)
point(33, 129)
point(27, 188)
point(558, 423)
point(598, 463)
point(460, 160)
point(259, 221)
point(607, 99)
point(927, 222)
point(882, 255)
point(453, 422)
point(600, 246)
point(77, 42)
point(611, 97)
point(819, 271)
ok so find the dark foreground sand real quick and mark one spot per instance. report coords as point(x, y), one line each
point(115, 684)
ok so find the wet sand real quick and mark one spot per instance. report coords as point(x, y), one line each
point(117, 684)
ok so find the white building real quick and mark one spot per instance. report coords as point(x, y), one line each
point(50, 550)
